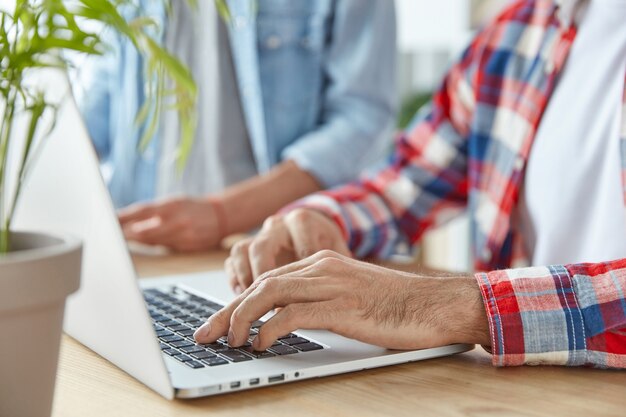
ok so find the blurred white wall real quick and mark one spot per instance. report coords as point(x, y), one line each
point(429, 34)
point(427, 25)
point(6, 5)
point(432, 33)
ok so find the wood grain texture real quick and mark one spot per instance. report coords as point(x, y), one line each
point(461, 385)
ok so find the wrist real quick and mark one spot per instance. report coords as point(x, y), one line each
point(459, 310)
point(475, 326)
point(217, 207)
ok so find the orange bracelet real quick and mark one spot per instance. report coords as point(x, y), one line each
point(220, 213)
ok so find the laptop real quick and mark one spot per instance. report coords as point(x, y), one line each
point(145, 326)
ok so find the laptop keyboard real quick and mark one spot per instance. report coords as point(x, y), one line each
point(176, 314)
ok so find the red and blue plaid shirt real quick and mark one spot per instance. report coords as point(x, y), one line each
point(468, 151)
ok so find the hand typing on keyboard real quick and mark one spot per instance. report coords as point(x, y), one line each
point(176, 313)
point(362, 301)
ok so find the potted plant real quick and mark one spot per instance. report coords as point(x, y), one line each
point(38, 271)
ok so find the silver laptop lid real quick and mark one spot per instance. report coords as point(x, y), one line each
point(65, 193)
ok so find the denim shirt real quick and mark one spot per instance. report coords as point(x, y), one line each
point(316, 80)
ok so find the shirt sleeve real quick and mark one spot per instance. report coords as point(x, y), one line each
point(557, 315)
point(425, 182)
point(359, 101)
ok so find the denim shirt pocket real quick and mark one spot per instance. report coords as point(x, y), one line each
point(292, 40)
point(291, 48)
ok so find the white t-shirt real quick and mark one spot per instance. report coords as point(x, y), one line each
point(572, 207)
point(221, 154)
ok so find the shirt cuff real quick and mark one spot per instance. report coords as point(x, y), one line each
point(328, 168)
point(534, 317)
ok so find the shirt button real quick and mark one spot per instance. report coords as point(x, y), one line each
point(486, 252)
point(273, 42)
point(519, 163)
point(240, 22)
point(549, 68)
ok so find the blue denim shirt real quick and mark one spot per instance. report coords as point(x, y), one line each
point(316, 80)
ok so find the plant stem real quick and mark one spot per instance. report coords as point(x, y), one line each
point(5, 135)
point(36, 112)
point(4, 239)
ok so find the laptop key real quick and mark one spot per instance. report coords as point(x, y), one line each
point(169, 339)
point(171, 352)
point(167, 297)
point(168, 322)
point(288, 336)
point(181, 344)
point(246, 344)
point(257, 324)
point(186, 305)
point(306, 347)
point(163, 346)
point(178, 327)
point(251, 339)
point(217, 347)
point(163, 333)
point(182, 358)
point(256, 353)
point(216, 361)
point(188, 332)
point(283, 350)
point(203, 355)
point(295, 341)
point(194, 364)
point(193, 348)
point(212, 305)
point(235, 356)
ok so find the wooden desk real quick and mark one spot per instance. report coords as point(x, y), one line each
point(461, 385)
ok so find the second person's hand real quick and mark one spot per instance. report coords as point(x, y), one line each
point(182, 224)
point(282, 240)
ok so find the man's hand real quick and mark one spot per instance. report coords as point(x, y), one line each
point(181, 224)
point(282, 240)
point(361, 301)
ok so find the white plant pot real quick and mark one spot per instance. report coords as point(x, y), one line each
point(35, 279)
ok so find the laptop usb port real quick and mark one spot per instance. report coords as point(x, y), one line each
point(254, 381)
point(236, 384)
point(276, 378)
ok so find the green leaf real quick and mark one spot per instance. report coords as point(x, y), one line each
point(38, 33)
point(223, 10)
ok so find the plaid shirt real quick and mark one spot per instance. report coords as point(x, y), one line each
point(468, 151)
